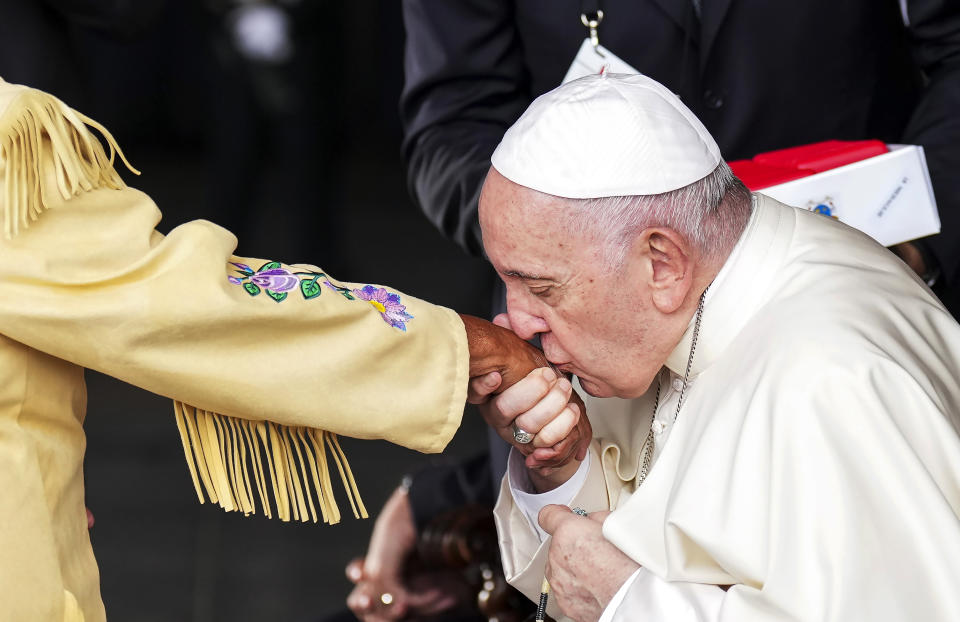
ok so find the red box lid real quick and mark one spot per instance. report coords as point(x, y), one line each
point(758, 176)
point(823, 156)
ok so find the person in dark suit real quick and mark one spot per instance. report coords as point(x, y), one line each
point(760, 75)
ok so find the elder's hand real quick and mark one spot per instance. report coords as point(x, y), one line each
point(562, 440)
point(542, 403)
point(585, 571)
point(497, 349)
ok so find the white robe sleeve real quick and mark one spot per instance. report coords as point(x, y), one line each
point(523, 555)
point(644, 595)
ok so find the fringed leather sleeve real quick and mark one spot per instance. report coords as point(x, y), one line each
point(266, 362)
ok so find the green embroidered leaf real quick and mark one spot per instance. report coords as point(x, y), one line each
point(310, 289)
point(277, 296)
point(346, 294)
point(251, 288)
point(270, 266)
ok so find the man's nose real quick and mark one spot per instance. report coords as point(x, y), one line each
point(526, 325)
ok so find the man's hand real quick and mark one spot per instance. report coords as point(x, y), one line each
point(585, 571)
point(384, 571)
point(545, 405)
point(528, 391)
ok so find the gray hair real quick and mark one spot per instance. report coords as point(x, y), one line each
point(710, 213)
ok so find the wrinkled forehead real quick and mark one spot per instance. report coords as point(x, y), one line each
point(503, 201)
point(521, 226)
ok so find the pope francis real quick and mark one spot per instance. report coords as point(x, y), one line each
point(777, 431)
point(266, 362)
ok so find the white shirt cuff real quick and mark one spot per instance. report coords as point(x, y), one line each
point(528, 501)
point(614, 603)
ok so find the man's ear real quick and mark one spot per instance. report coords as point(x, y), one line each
point(671, 267)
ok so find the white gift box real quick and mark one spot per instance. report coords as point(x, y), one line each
point(889, 196)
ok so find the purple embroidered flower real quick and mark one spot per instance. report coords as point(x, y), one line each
point(393, 313)
point(276, 280)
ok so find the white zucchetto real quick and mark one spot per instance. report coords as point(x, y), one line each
point(606, 135)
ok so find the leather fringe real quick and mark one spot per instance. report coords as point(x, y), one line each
point(34, 121)
point(226, 456)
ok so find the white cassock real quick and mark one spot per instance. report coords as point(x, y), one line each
point(815, 463)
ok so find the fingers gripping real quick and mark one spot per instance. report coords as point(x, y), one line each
point(551, 517)
point(480, 388)
point(551, 406)
point(523, 397)
point(558, 428)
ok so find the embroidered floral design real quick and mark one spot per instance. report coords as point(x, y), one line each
point(343, 291)
point(271, 278)
point(392, 312)
point(277, 282)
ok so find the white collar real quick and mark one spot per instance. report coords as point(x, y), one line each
point(740, 286)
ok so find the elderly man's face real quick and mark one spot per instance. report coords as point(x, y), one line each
point(593, 322)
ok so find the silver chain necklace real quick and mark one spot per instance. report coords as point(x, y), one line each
point(649, 442)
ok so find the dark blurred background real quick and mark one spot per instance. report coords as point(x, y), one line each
point(282, 126)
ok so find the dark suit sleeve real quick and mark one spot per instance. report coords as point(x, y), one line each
point(465, 84)
point(443, 487)
point(934, 27)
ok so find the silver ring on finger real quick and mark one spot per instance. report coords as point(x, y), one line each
point(519, 434)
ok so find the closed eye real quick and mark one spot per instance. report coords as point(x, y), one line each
point(541, 292)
